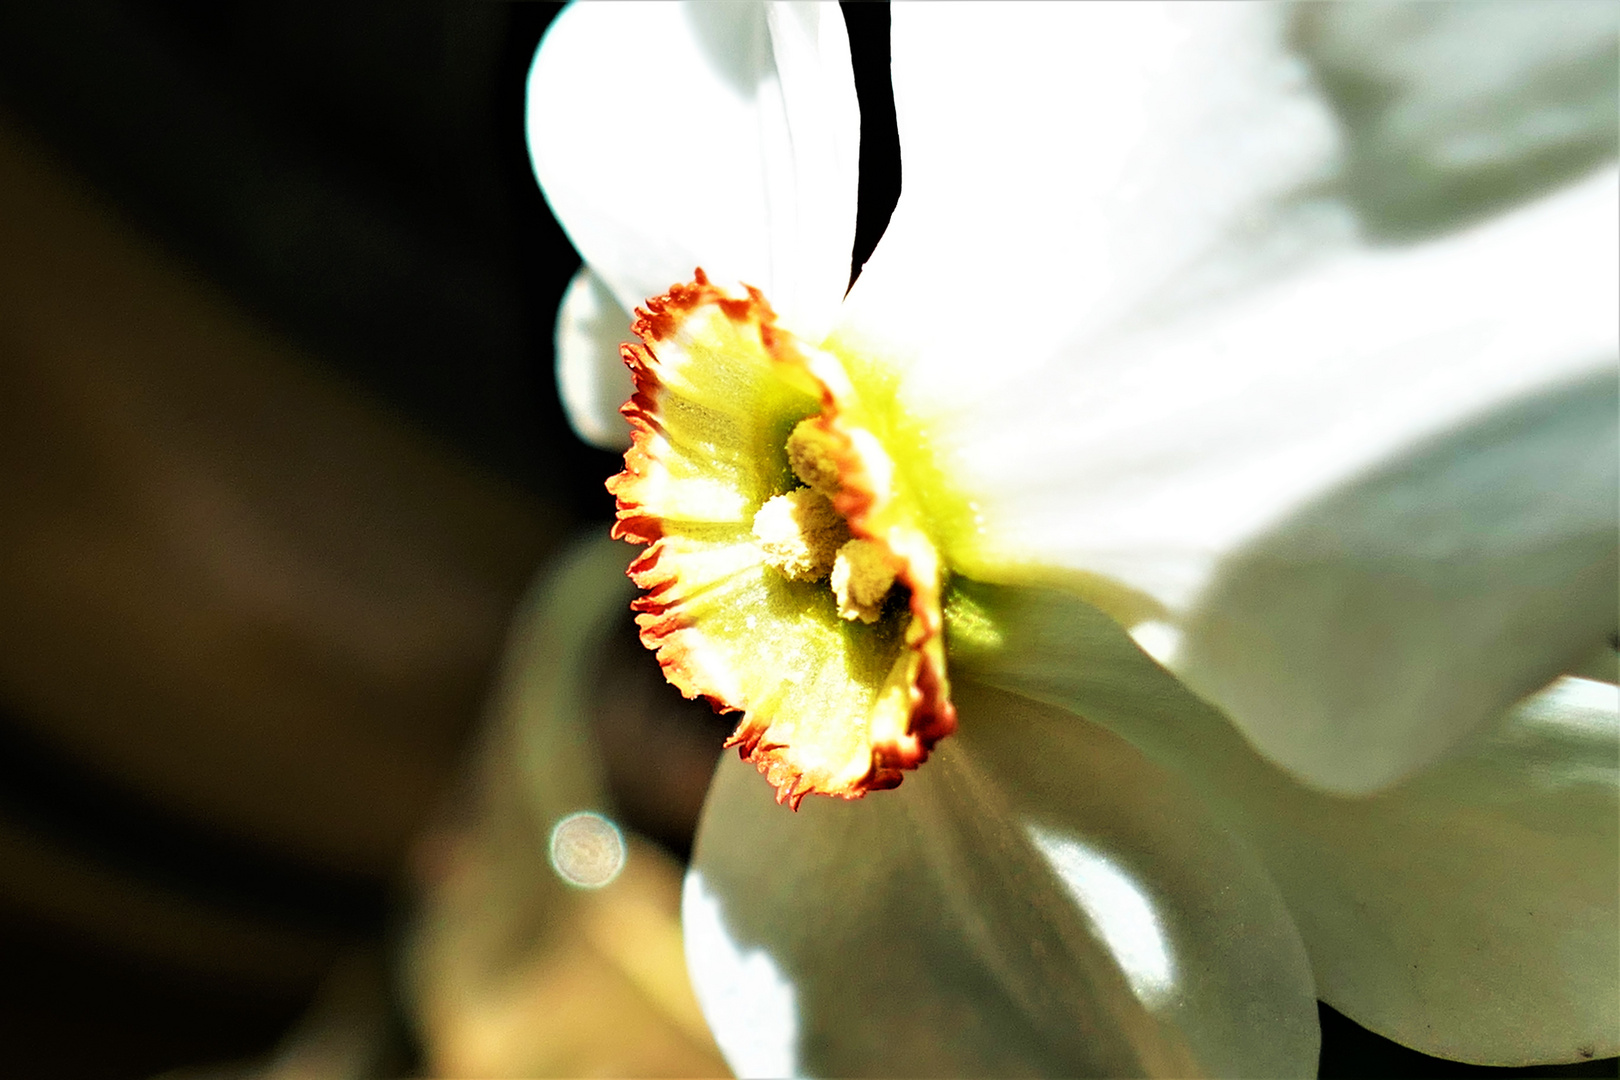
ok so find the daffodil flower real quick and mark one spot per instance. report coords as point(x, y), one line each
point(1152, 342)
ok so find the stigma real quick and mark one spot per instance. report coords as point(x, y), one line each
point(789, 574)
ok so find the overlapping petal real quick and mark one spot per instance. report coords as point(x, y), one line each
point(1382, 624)
point(668, 136)
point(1469, 912)
point(1041, 899)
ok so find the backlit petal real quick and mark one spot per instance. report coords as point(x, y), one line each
point(1040, 899)
point(668, 136)
point(1217, 435)
point(591, 377)
point(1162, 450)
point(1469, 912)
point(1081, 165)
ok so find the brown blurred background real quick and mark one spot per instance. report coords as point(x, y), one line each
point(278, 452)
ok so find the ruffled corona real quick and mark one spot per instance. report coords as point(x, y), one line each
point(789, 574)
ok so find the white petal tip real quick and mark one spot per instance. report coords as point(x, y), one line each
point(591, 378)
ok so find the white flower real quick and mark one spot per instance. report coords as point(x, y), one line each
point(1361, 495)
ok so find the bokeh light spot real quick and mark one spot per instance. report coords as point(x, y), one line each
point(587, 850)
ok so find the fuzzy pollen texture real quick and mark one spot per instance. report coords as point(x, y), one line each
point(814, 611)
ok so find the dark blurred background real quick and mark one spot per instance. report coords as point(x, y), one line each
point(279, 451)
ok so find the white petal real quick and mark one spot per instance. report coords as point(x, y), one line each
point(1381, 625)
point(1163, 450)
point(1470, 912)
point(669, 136)
point(1066, 165)
point(1146, 349)
point(1204, 438)
point(591, 377)
point(1038, 898)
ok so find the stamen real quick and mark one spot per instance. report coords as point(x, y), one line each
point(862, 575)
point(811, 451)
point(800, 534)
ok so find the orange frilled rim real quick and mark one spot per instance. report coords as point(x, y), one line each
point(827, 708)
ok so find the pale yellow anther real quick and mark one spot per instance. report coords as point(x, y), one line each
point(800, 534)
point(811, 453)
point(805, 538)
point(861, 578)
